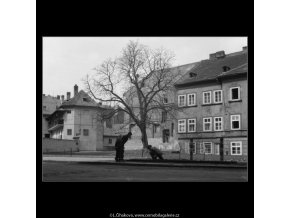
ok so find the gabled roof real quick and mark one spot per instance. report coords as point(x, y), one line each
point(78, 100)
point(211, 69)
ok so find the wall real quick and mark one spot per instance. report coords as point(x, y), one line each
point(86, 118)
point(215, 147)
point(58, 145)
point(225, 110)
point(50, 103)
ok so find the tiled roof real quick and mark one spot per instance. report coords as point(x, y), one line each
point(211, 69)
point(78, 100)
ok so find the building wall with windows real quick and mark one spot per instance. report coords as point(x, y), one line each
point(206, 121)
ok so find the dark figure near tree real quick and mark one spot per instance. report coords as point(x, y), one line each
point(155, 153)
point(120, 146)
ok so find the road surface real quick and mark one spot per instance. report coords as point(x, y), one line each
point(82, 172)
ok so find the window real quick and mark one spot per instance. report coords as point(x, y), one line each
point(191, 99)
point(218, 124)
point(235, 122)
point(206, 97)
point(207, 124)
point(236, 148)
point(69, 132)
point(165, 100)
point(181, 100)
point(154, 128)
point(191, 125)
point(165, 135)
point(163, 116)
point(181, 125)
point(218, 96)
point(235, 93)
point(86, 100)
point(172, 128)
point(191, 74)
point(207, 147)
point(110, 141)
point(86, 132)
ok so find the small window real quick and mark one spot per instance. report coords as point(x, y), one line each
point(235, 93)
point(191, 125)
point(207, 147)
point(207, 124)
point(191, 99)
point(206, 97)
point(181, 100)
point(165, 100)
point(154, 128)
point(235, 122)
point(181, 125)
point(163, 116)
point(110, 141)
point(191, 74)
point(218, 124)
point(85, 132)
point(69, 131)
point(218, 96)
point(86, 100)
point(236, 148)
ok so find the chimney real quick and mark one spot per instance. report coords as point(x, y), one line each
point(43, 94)
point(76, 90)
point(245, 48)
point(212, 56)
point(58, 97)
point(68, 96)
point(220, 54)
point(62, 98)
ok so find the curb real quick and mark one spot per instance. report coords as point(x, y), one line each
point(164, 164)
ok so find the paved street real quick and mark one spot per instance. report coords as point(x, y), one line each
point(82, 172)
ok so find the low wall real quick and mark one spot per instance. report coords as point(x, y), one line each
point(58, 145)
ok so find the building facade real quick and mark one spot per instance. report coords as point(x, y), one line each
point(49, 105)
point(213, 98)
point(78, 118)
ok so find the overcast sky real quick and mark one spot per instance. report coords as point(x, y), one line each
point(66, 60)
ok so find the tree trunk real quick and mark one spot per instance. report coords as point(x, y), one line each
point(144, 136)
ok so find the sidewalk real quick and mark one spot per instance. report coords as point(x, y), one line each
point(111, 161)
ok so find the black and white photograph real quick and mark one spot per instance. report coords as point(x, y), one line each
point(145, 109)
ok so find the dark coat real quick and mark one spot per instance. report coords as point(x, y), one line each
point(118, 142)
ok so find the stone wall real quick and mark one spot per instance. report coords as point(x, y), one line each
point(58, 145)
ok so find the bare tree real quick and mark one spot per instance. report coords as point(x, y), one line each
point(136, 83)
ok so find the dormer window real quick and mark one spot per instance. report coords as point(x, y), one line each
point(192, 74)
point(86, 100)
point(226, 68)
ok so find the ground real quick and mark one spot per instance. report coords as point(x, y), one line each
point(81, 172)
